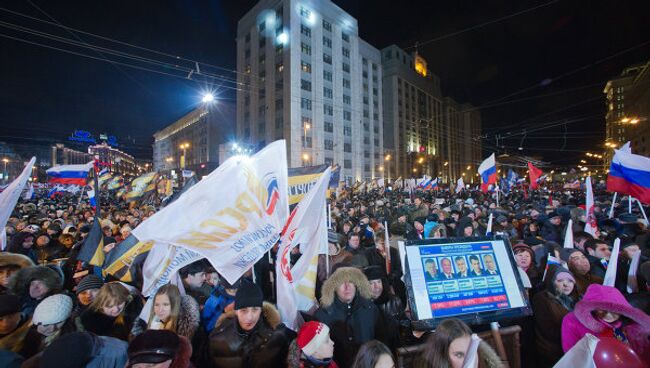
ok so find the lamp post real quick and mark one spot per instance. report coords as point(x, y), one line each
point(4, 173)
point(184, 147)
point(387, 159)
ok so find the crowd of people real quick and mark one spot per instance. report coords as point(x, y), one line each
point(56, 311)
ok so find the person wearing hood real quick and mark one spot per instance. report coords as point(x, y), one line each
point(82, 350)
point(220, 300)
point(312, 348)
point(13, 325)
point(33, 284)
point(604, 312)
point(465, 227)
point(251, 335)
point(552, 228)
point(549, 308)
point(346, 307)
point(579, 266)
point(10, 263)
point(416, 232)
point(23, 243)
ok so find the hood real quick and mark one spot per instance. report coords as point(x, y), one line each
point(15, 259)
point(343, 274)
point(607, 298)
point(19, 283)
point(269, 313)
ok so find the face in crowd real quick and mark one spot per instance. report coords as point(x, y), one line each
point(346, 292)
point(248, 317)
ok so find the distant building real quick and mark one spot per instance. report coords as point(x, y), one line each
point(627, 116)
point(192, 142)
point(314, 83)
point(62, 155)
point(424, 132)
point(116, 161)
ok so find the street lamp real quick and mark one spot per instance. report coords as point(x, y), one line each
point(184, 147)
point(207, 98)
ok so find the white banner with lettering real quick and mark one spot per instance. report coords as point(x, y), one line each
point(232, 217)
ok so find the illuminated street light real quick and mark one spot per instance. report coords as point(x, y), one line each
point(208, 97)
point(387, 158)
point(305, 156)
point(446, 163)
point(634, 121)
point(282, 38)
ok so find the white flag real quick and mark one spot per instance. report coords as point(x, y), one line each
point(471, 356)
point(460, 186)
point(307, 228)
point(489, 225)
point(610, 274)
point(232, 217)
point(591, 226)
point(568, 236)
point(581, 355)
point(9, 197)
point(162, 265)
point(29, 193)
point(632, 282)
point(380, 182)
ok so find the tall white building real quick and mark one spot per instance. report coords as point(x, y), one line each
point(307, 77)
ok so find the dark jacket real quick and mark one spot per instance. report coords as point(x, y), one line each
point(21, 280)
point(354, 324)
point(264, 346)
point(103, 325)
point(551, 232)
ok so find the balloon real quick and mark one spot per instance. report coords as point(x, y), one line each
point(613, 353)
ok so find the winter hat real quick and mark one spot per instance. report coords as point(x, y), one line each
point(521, 247)
point(248, 295)
point(374, 272)
point(501, 218)
point(73, 350)
point(53, 309)
point(9, 304)
point(563, 271)
point(89, 282)
point(153, 346)
point(311, 335)
point(565, 253)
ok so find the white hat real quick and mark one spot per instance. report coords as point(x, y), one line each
point(53, 309)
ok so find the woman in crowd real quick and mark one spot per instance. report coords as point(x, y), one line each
point(33, 284)
point(550, 306)
point(51, 319)
point(604, 312)
point(171, 311)
point(525, 258)
point(106, 314)
point(447, 347)
point(374, 354)
point(312, 348)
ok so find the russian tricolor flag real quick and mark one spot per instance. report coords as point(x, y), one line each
point(432, 184)
point(630, 174)
point(69, 174)
point(488, 172)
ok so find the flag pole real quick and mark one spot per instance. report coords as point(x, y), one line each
point(611, 208)
point(642, 210)
point(81, 195)
point(387, 247)
point(629, 204)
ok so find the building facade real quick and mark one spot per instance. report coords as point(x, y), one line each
point(303, 65)
point(62, 155)
point(118, 162)
point(622, 120)
point(424, 132)
point(192, 142)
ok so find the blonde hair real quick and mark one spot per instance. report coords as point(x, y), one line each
point(174, 295)
point(110, 294)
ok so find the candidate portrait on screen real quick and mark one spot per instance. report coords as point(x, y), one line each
point(447, 269)
point(430, 270)
point(490, 265)
point(461, 267)
point(475, 265)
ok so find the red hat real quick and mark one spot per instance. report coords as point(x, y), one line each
point(311, 335)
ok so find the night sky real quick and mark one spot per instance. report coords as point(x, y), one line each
point(548, 65)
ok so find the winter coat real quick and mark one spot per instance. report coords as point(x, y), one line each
point(16, 245)
point(100, 324)
point(551, 232)
point(20, 281)
point(354, 324)
point(214, 307)
point(548, 313)
point(15, 340)
point(421, 211)
point(188, 319)
point(636, 324)
point(265, 345)
point(392, 312)
point(583, 281)
point(295, 359)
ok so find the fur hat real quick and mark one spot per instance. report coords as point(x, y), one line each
point(53, 309)
point(9, 304)
point(8, 259)
point(19, 282)
point(153, 346)
point(311, 335)
point(341, 275)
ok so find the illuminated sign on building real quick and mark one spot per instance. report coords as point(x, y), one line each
point(86, 137)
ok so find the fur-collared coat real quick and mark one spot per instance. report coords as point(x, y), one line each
point(188, 319)
point(20, 281)
point(354, 324)
point(636, 324)
point(266, 345)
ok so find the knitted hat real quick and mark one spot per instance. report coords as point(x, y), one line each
point(9, 304)
point(248, 295)
point(153, 346)
point(89, 282)
point(53, 309)
point(374, 272)
point(311, 335)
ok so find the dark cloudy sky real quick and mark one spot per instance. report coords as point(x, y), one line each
point(530, 70)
